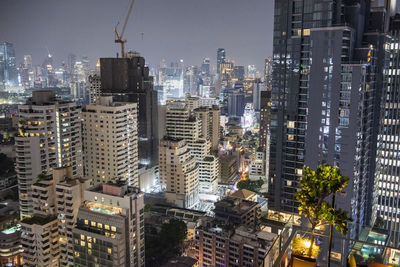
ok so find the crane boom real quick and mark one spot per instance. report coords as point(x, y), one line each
point(118, 37)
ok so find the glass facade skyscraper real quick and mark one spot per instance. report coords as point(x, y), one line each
point(326, 90)
point(8, 65)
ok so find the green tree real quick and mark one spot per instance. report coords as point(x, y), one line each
point(316, 187)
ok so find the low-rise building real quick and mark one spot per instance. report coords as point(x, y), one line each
point(238, 212)
point(240, 246)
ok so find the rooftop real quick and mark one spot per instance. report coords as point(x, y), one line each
point(243, 194)
point(39, 219)
point(181, 262)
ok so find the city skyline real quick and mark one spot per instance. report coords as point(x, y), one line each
point(200, 28)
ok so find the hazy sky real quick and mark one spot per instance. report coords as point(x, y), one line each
point(173, 29)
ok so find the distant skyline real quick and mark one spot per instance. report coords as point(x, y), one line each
point(173, 29)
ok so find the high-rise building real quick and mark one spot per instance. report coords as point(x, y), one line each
point(265, 117)
point(386, 189)
point(180, 123)
point(49, 137)
point(128, 80)
point(221, 57)
point(110, 227)
point(210, 124)
point(110, 139)
point(327, 111)
point(8, 65)
point(59, 195)
point(205, 67)
point(179, 172)
point(268, 73)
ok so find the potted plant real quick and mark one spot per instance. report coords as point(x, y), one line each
point(316, 188)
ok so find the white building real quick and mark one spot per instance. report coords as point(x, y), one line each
point(111, 141)
point(208, 175)
point(110, 227)
point(179, 173)
point(49, 137)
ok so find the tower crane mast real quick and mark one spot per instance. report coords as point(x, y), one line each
point(119, 36)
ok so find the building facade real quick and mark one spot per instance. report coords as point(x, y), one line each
point(110, 227)
point(110, 137)
point(49, 137)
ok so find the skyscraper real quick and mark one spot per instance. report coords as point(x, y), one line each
point(327, 111)
point(220, 58)
point(49, 137)
point(268, 73)
point(387, 190)
point(111, 141)
point(127, 80)
point(8, 65)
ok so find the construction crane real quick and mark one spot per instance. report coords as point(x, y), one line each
point(118, 37)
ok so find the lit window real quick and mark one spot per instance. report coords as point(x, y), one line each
point(76, 254)
point(93, 223)
point(86, 222)
point(83, 243)
point(107, 227)
point(113, 228)
point(99, 225)
point(109, 250)
point(82, 237)
point(290, 124)
point(290, 137)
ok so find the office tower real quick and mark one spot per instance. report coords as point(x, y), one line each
point(59, 195)
point(321, 110)
point(239, 246)
point(110, 139)
point(268, 73)
point(49, 137)
point(205, 67)
point(128, 80)
point(386, 190)
point(210, 124)
point(236, 103)
point(8, 65)
point(110, 226)
point(258, 87)
point(40, 241)
point(179, 172)
point(220, 59)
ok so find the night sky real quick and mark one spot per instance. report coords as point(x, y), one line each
point(173, 29)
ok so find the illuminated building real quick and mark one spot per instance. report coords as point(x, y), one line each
point(8, 65)
point(268, 73)
point(179, 173)
point(134, 85)
point(205, 67)
point(110, 227)
point(11, 247)
point(218, 245)
point(326, 98)
point(49, 137)
point(110, 138)
point(387, 190)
